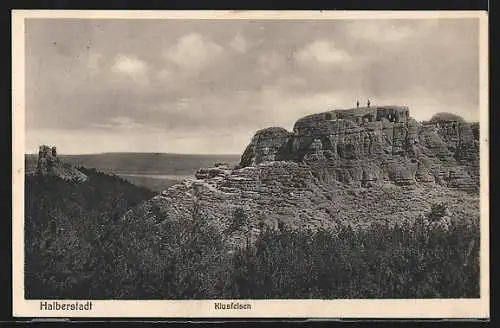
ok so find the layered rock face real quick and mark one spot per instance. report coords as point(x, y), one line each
point(362, 146)
point(271, 144)
point(49, 164)
point(270, 194)
point(353, 166)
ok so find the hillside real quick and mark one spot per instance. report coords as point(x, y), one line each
point(357, 203)
point(374, 173)
point(78, 246)
point(338, 167)
point(69, 229)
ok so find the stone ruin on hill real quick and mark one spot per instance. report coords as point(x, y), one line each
point(48, 164)
point(47, 159)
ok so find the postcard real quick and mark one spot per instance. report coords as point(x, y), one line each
point(250, 164)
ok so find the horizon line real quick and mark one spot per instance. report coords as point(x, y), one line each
point(140, 152)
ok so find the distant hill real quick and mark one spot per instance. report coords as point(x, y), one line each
point(152, 163)
point(155, 171)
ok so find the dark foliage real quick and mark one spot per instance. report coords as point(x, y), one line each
point(438, 211)
point(70, 230)
point(380, 262)
point(79, 247)
point(239, 221)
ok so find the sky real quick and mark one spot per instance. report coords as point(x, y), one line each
point(206, 86)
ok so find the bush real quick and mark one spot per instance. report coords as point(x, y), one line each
point(438, 211)
point(239, 220)
point(379, 262)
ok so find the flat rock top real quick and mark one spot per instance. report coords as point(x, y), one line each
point(365, 109)
point(446, 117)
point(274, 130)
point(355, 111)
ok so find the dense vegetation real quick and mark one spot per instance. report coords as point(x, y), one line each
point(383, 261)
point(78, 247)
point(69, 231)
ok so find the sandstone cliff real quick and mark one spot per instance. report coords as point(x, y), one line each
point(342, 166)
point(49, 164)
point(364, 145)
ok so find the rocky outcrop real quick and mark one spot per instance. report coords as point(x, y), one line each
point(363, 145)
point(339, 166)
point(446, 117)
point(269, 194)
point(218, 171)
point(271, 144)
point(49, 164)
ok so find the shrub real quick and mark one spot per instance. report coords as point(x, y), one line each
point(71, 231)
point(438, 211)
point(382, 261)
point(239, 220)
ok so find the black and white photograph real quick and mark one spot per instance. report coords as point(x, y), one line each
point(243, 161)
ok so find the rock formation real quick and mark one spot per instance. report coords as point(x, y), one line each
point(338, 166)
point(49, 164)
point(362, 145)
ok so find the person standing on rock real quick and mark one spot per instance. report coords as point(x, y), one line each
point(357, 103)
point(368, 103)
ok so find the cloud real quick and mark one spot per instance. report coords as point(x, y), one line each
point(124, 124)
point(131, 68)
point(239, 44)
point(193, 51)
point(129, 65)
point(104, 140)
point(323, 52)
point(177, 84)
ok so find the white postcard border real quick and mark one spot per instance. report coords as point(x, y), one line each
point(387, 308)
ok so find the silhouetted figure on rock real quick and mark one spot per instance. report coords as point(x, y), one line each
point(368, 103)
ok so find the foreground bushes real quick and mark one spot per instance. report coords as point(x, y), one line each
point(81, 249)
point(416, 261)
point(380, 262)
point(70, 230)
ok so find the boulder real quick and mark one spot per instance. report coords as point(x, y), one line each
point(271, 144)
point(446, 117)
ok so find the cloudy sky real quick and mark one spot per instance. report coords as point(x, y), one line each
point(205, 86)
